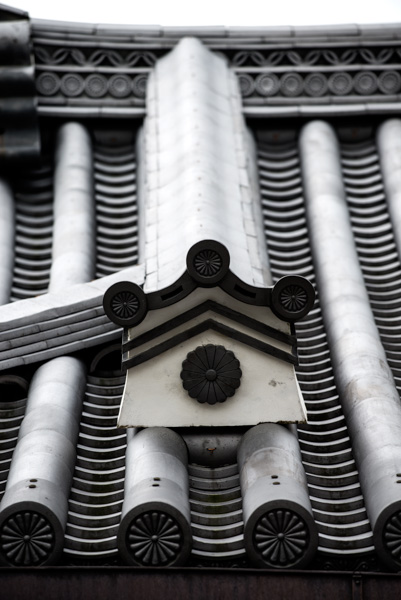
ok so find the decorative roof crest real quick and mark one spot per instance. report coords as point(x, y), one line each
point(208, 337)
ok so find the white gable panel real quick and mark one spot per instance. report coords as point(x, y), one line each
point(154, 394)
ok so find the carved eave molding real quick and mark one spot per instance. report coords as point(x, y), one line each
point(91, 70)
point(210, 350)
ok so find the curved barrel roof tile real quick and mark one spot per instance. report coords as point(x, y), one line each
point(369, 396)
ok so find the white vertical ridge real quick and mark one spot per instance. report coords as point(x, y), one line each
point(198, 182)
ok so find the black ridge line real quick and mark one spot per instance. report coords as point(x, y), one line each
point(201, 328)
point(231, 284)
point(200, 309)
point(245, 292)
point(173, 293)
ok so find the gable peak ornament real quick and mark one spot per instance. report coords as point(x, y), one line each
point(210, 350)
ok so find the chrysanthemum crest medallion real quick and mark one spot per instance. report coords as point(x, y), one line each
point(211, 374)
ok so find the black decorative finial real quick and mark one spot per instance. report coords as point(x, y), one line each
point(125, 304)
point(211, 374)
point(392, 537)
point(292, 297)
point(154, 539)
point(281, 538)
point(208, 262)
point(26, 539)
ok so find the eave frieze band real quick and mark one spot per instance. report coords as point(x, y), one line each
point(107, 74)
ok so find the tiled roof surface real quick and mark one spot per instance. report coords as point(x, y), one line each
point(325, 207)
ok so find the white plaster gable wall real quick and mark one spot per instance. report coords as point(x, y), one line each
point(154, 394)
